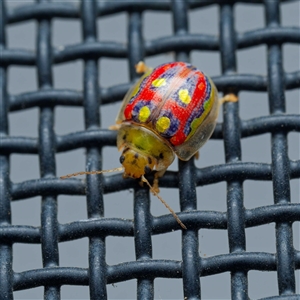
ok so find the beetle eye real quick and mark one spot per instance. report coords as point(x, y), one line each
point(122, 158)
point(147, 170)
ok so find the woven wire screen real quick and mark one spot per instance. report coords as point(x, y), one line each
point(193, 268)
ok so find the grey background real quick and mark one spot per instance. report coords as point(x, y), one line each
point(211, 197)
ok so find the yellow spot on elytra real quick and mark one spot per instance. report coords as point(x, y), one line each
point(135, 90)
point(162, 124)
point(206, 104)
point(184, 96)
point(144, 113)
point(159, 82)
point(195, 124)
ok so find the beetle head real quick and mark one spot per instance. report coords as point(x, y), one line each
point(135, 163)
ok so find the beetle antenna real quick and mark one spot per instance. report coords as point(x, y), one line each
point(163, 202)
point(92, 172)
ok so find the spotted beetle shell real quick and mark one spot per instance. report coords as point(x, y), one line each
point(177, 102)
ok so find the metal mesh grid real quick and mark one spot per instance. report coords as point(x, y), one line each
point(285, 261)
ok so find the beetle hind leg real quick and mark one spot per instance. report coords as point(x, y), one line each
point(229, 98)
point(141, 67)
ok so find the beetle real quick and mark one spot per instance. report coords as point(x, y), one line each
point(171, 111)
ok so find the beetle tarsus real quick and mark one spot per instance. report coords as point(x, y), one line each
point(229, 98)
point(155, 182)
point(114, 127)
point(141, 67)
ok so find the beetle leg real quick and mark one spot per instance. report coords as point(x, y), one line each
point(141, 183)
point(228, 98)
point(141, 67)
point(155, 181)
point(197, 155)
point(114, 127)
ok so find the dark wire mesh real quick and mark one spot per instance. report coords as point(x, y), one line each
point(285, 261)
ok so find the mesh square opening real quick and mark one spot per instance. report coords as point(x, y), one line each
point(26, 212)
point(75, 292)
point(261, 238)
point(216, 286)
point(113, 28)
point(74, 253)
point(24, 167)
point(168, 288)
point(212, 197)
point(213, 242)
point(119, 250)
point(26, 257)
point(258, 290)
point(204, 20)
point(34, 293)
point(258, 193)
point(162, 26)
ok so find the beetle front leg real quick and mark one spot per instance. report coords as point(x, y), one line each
point(114, 127)
point(156, 177)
